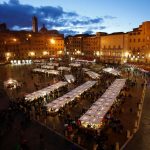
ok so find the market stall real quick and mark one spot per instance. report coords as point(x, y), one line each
point(75, 64)
point(93, 118)
point(112, 71)
point(12, 84)
point(70, 78)
point(62, 68)
point(60, 102)
point(45, 91)
point(47, 67)
point(92, 74)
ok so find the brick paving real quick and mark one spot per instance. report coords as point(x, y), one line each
point(127, 115)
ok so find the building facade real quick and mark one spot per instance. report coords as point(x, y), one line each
point(139, 43)
point(133, 46)
point(30, 45)
point(118, 47)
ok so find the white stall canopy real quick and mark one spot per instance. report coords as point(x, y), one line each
point(43, 92)
point(62, 68)
point(93, 74)
point(60, 102)
point(94, 116)
point(70, 78)
point(112, 71)
point(75, 64)
point(47, 67)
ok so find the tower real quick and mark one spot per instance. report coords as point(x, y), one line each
point(34, 24)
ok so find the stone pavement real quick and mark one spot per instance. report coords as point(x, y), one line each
point(141, 140)
point(127, 115)
point(20, 131)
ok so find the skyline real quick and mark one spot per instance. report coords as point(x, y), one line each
point(75, 17)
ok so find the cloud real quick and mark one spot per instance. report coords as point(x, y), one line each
point(67, 32)
point(19, 16)
point(87, 20)
point(88, 32)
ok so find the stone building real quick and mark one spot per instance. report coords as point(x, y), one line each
point(133, 46)
point(30, 45)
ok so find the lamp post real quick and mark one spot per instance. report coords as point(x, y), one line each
point(52, 41)
point(7, 55)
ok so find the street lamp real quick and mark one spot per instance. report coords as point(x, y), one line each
point(14, 39)
point(52, 41)
point(97, 53)
point(45, 53)
point(59, 52)
point(7, 55)
point(29, 35)
point(78, 52)
point(32, 53)
point(126, 54)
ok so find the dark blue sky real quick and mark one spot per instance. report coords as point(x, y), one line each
point(76, 16)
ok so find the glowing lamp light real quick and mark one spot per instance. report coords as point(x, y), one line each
point(126, 54)
point(71, 58)
point(98, 53)
point(78, 52)
point(59, 52)
point(124, 61)
point(14, 39)
point(19, 62)
point(45, 53)
point(32, 53)
point(29, 35)
point(52, 41)
point(8, 54)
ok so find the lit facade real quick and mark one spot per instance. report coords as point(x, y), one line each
point(74, 44)
point(30, 45)
point(139, 43)
point(118, 47)
point(133, 46)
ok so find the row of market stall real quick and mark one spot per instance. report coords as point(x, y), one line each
point(112, 71)
point(60, 102)
point(93, 118)
point(92, 74)
point(45, 91)
point(40, 70)
point(45, 70)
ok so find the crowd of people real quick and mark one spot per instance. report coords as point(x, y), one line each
point(72, 128)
